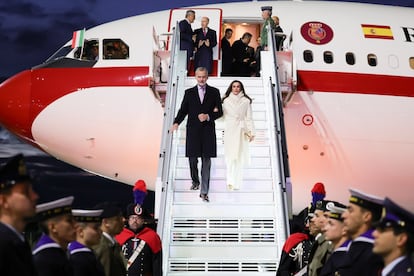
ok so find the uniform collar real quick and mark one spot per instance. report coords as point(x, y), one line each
point(391, 265)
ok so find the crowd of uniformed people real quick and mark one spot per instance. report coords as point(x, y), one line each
point(368, 235)
point(75, 242)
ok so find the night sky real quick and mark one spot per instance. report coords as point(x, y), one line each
point(32, 30)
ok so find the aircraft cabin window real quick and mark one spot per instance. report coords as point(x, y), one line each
point(308, 56)
point(89, 51)
point(412, 62)
point(350, 58)
point(372, 60)
point(115, 49)
point(328, 57)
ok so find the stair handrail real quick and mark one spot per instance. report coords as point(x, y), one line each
point(164, 165)
point(278, 115)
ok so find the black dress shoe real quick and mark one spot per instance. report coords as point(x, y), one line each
point(195, 186)
point(204, 197)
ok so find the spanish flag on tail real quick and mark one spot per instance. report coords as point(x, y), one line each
point(377, 31)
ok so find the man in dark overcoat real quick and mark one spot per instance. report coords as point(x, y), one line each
point(206, 40)
point(226, 54)
point(186, 35)
point(202, 104)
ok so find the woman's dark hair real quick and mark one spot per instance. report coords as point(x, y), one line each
point(242, 90)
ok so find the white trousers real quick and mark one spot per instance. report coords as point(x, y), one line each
point(234, 173)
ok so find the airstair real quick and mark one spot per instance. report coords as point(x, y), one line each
point(238, 232)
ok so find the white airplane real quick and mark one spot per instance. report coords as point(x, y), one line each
point(347, 68)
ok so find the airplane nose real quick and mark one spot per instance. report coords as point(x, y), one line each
point(15, 97)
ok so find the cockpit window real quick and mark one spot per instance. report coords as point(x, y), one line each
point(115, 49)
point(412, 62)
point(89, 51)
point(62, 52)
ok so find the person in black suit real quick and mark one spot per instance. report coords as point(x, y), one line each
point(242, 55)
point(279, 37)
point(17, 205)
point(226, 55)
point(186, 35)
point(58, 227)
point(394, 239)
point(202, 104)
point(205, 41)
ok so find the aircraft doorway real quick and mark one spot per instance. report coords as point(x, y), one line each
point(241, 27)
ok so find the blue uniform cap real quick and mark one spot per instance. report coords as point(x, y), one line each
point(267, 8)
point(13, 171)
point(396, 216)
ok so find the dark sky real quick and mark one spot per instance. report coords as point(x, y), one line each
point(32, 30)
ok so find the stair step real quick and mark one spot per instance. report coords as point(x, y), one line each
point(255, 151)
point(219, 162)
point(193, 266)
point(192, 197)
point(246, 251)
point(223, 211)
point(253, 185)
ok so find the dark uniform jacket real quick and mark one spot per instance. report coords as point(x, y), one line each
point(15, 254)
point(336, 260)
point(318, 255)
point(50, 259)
point(360, 260)
point(200, 136)
point(204, 54)
point(404, 267)
point(295, 254)
point(110, 255)
point(226, 57)
point(84, 261)
point(149, 260)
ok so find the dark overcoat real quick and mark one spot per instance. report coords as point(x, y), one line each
point(15, 254)
point(204, 54)
point(201, 136)
point(186, 38)
point(226, 57)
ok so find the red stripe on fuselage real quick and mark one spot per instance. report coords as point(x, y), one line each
point(50, 84)
point(355, 83)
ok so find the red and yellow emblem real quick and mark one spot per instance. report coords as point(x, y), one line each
point(316, 33)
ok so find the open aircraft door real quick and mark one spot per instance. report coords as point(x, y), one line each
point(215, 16)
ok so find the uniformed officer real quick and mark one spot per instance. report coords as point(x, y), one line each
point(295, 251)
point(334, 232)
point(321, 247)
point(108, 250)
point(58, 227)
point(268, 22)
point(394, 240)
point(140, 244)
point(88, 234)
point(17, 205)
point(363, 211)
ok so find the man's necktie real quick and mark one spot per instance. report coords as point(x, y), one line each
point(201, 92)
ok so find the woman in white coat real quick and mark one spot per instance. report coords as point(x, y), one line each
point(238, 132)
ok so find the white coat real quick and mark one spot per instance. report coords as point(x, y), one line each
point(238, 125)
